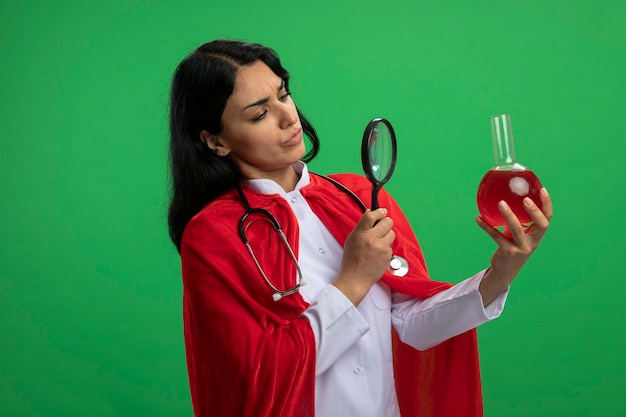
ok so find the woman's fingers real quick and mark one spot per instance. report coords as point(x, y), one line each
point(491, 231)
point(546, 203)
point(518, 241)
point(541, 217)
point(512, 222)
point(371, 218)
point(377, 224)
point(366, 255)
point(540, 221)
point(526, 238)
point(375, 229)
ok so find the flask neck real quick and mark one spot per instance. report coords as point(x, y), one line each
point(503, 146)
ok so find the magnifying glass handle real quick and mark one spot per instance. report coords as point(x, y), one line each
point(375, 189)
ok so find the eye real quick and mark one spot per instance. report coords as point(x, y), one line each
point(284, 96)
point(261, 116)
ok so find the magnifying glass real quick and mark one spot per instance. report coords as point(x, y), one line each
point(378, 156)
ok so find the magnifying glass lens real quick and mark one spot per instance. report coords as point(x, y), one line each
point(380, 152)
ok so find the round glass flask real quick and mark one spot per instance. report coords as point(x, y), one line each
point(507, 180)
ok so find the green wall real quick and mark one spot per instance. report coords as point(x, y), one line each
point(90, 288)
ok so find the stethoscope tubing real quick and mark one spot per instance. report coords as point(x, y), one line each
point(278, 293)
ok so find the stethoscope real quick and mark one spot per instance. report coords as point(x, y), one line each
point(398, 265)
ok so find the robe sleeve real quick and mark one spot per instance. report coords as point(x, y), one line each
point(424, 323)
point(247, 355)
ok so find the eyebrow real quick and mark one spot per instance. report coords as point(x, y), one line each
point(265, 99)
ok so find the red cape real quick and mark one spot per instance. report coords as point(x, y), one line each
point(250, 356)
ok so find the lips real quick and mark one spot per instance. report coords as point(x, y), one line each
point(295, 139)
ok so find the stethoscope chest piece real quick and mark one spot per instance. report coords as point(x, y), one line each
point(398, 266)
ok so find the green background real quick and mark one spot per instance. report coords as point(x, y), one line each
point(90, 288)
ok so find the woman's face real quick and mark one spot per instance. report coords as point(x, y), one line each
point(262, 131)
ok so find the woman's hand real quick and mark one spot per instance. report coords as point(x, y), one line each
point(515, 244)
point(366, 256)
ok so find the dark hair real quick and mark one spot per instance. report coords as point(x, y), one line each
point(201, 85)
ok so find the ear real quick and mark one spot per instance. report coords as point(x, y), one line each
point(215, 143)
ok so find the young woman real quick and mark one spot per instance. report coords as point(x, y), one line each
point(289, 309)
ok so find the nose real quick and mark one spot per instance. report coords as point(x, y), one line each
point(289, 115)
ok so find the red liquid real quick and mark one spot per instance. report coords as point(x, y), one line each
point(508, 185)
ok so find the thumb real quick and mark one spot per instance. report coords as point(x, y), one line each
point(370, 218)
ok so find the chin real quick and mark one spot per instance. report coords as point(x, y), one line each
point(297, 154)
point(301, 151)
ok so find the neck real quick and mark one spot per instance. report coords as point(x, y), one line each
point(286, 178)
